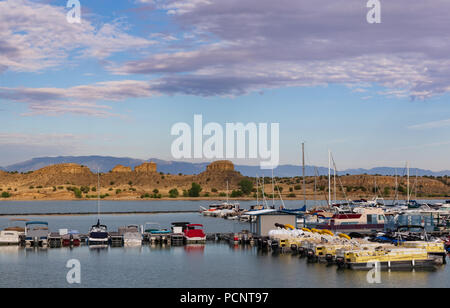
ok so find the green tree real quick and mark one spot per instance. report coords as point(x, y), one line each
point(6, 194)
point(173, 193)
point(195, 190)
point(236, 194)
point(77, 192)
point(246, 186)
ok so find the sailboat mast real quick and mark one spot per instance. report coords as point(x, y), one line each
point(98, 193)
point(304, 181)
point(227, 192)
point(334, 179)
point(396, 188)
point(415, 187)
point(257, 190)
point(273, 191)
point(407, 185)
point(329, 178)
point(315, 186)
point(263, 191)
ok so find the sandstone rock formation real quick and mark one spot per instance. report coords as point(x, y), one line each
point(146, 168)
point(64, 169)
point(220, 166)
point(121, 169)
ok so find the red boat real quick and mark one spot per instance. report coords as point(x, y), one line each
point(193, 233)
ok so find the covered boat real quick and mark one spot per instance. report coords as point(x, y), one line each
point(36, 233)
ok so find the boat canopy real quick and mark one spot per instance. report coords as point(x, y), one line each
point(180, 224)
point(302, 209)
point(36, 223)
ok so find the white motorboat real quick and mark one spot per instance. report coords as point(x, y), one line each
point(9, 237)
point(131, 235)
point(98, 235)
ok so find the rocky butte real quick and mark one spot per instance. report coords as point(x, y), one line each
point(146, 168)
point(121, 169)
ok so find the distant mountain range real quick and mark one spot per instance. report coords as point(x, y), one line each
point(106, 163)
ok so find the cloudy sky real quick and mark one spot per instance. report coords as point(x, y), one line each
point(375, 94)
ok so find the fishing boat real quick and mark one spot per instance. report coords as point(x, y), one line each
point(398, 258)
point(194, 233)
point(36, 233)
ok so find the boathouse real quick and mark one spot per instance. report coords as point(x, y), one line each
point(266, 220)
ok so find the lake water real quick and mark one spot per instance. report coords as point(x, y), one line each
point(48, 207)
point(210, 265)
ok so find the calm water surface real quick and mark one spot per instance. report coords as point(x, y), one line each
point(48, 207)
point(210, 265)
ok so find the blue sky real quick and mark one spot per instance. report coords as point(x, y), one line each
point(376, 95)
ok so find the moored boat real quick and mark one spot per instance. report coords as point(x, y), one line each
point(72, 238)
point(154, 233)
point(36, 233)
point(131, 235)
point(361, 220)
point(194, 233)
point(98, 235)
point(398, 258)
point(9, 237)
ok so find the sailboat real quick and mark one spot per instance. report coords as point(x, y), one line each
point(224, 210)
point(98, 234)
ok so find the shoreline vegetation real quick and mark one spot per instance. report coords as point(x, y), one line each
point(67, 182)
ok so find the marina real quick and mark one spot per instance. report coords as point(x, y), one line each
point(224, 241)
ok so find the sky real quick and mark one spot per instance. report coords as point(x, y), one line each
point(115, 84)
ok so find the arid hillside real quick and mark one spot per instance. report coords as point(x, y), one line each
point(72, 181)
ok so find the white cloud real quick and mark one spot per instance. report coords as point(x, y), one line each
point(35, 36)
point(429, 125)
point(254, 44)
point(83, 99)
